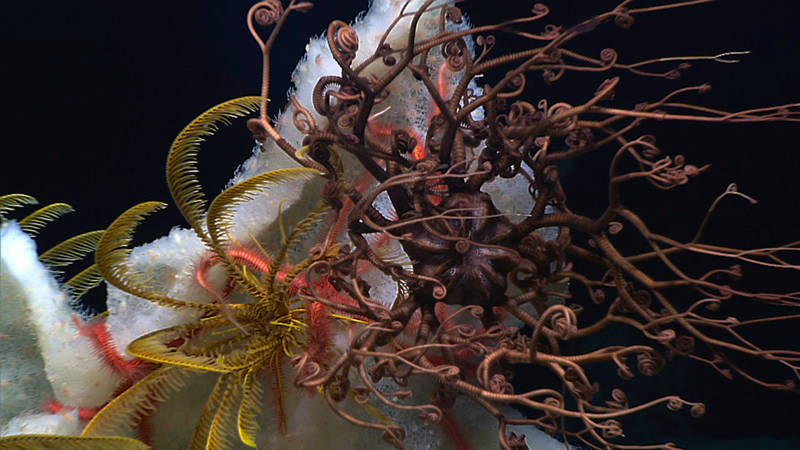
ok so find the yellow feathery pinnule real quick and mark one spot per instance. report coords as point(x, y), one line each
point(153, 347)
point(294, 238)
point(71, 250)
point(248, 416)
point(121, 415)
point(200, 433)
point(257, 350)
point(50, 441)
point(218, 421)
point(182, 160)
point(112, 259)
point(88, 279)
point(301, 228)
point(223, 208)
point(33, 223)
point(10, 202)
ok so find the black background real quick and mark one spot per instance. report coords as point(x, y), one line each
point(94, 93)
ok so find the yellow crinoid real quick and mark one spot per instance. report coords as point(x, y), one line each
point(238, 340)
